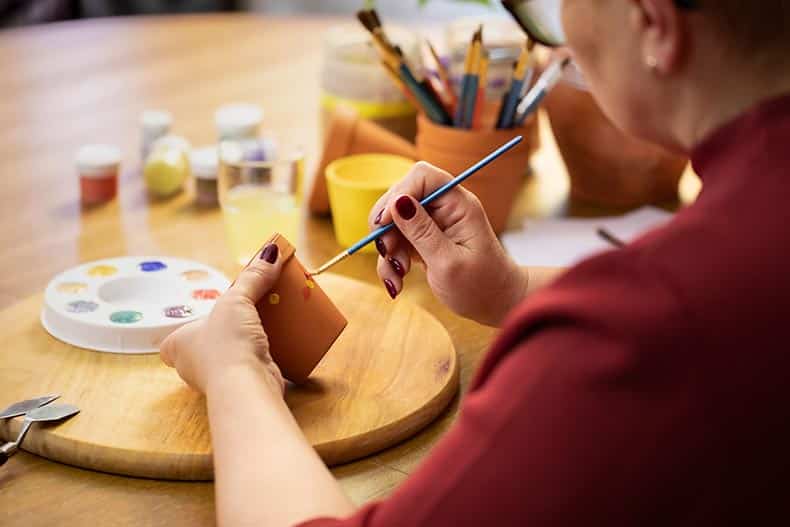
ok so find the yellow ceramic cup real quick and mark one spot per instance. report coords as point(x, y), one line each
point(355, 183)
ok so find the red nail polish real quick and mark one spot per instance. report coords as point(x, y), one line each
point(269, 253)
point(378, 217)
point(406, 207)
point(397, 267)
point(381, 248)
point(390, 288)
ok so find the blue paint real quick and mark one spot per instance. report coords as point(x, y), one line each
point(152, 266)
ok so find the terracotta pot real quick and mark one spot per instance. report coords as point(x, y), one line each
point(606, 166)
point(348, 134)
point(456, 149)
point(300, 320)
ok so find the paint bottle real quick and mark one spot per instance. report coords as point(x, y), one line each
point(238, 121)
point(98, 166)
point(167, 166)
point(155, 124)
point(204, 164)
point(352, 76)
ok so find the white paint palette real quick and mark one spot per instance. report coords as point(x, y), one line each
point(129, 304)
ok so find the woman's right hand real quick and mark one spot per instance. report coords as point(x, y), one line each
point(465, 264)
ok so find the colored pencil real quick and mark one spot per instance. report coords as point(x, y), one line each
point(441, 191)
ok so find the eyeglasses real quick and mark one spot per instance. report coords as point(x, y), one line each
point(542, 21)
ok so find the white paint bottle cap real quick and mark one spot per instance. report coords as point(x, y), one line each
point(238, 121)
point(97, 159)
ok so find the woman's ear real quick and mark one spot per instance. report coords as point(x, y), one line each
point(663, 34)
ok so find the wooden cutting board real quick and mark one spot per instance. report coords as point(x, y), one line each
point(391, 372)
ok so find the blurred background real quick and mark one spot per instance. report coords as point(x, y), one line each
point(28, 12)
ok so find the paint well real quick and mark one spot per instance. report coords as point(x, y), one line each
point(126, 317)
point(71, 288)
point(205, 294)
point(152, 266)
point(102, 270)
point(81, 306)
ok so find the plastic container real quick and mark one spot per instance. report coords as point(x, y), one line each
point(355, 185)
point(606, 166)
point(348, 135)
point(300, 320)
point(204, 165)
point(352, 76)
point(129, 304)
point(498, 184)
point(98, 166)
point(167, 167)
point(154, 124)
point(238, 121)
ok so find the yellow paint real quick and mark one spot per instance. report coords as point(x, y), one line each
point(102, 270)
point(274, 298)
point(72, 287)
point(369, 109)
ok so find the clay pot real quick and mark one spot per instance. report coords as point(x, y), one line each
point(348, 134)
point(606, 166)
point(456, 149)
point(300, 320)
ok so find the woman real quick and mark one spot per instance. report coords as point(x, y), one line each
point(646, 386)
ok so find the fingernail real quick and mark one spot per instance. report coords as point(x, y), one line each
point(378, 217)
point(269, 253)
point(381, 248)
point(390, 288)
point(405, 207)
point(397, 267)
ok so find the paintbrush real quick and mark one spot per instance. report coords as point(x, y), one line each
point(441, 191)
point(510, 100)
point(444, 75)
point(466, 101)
point(529, 103)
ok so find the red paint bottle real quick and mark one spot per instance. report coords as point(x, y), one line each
point(98, 166)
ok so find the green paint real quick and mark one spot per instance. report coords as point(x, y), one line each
point(126, 317)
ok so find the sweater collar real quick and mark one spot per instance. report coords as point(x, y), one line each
point(724, 145)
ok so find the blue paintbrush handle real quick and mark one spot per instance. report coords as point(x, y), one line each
point(444, 189)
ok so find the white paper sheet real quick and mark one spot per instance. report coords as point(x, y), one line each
point(564, 242)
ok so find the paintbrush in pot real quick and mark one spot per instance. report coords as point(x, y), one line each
point(444, 189)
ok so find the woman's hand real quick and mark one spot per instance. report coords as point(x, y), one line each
point(232, 336)
point(466, 266)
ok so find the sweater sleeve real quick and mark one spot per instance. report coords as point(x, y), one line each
point(563, 423)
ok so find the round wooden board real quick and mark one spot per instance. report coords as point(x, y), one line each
point(391, 372)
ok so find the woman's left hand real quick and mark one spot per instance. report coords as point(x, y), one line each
point(232, 336)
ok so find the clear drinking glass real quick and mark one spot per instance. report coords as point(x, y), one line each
point(258, 198)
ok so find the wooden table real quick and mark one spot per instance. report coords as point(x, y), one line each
point(67, 84)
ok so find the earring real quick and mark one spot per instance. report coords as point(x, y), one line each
point(651, 62)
